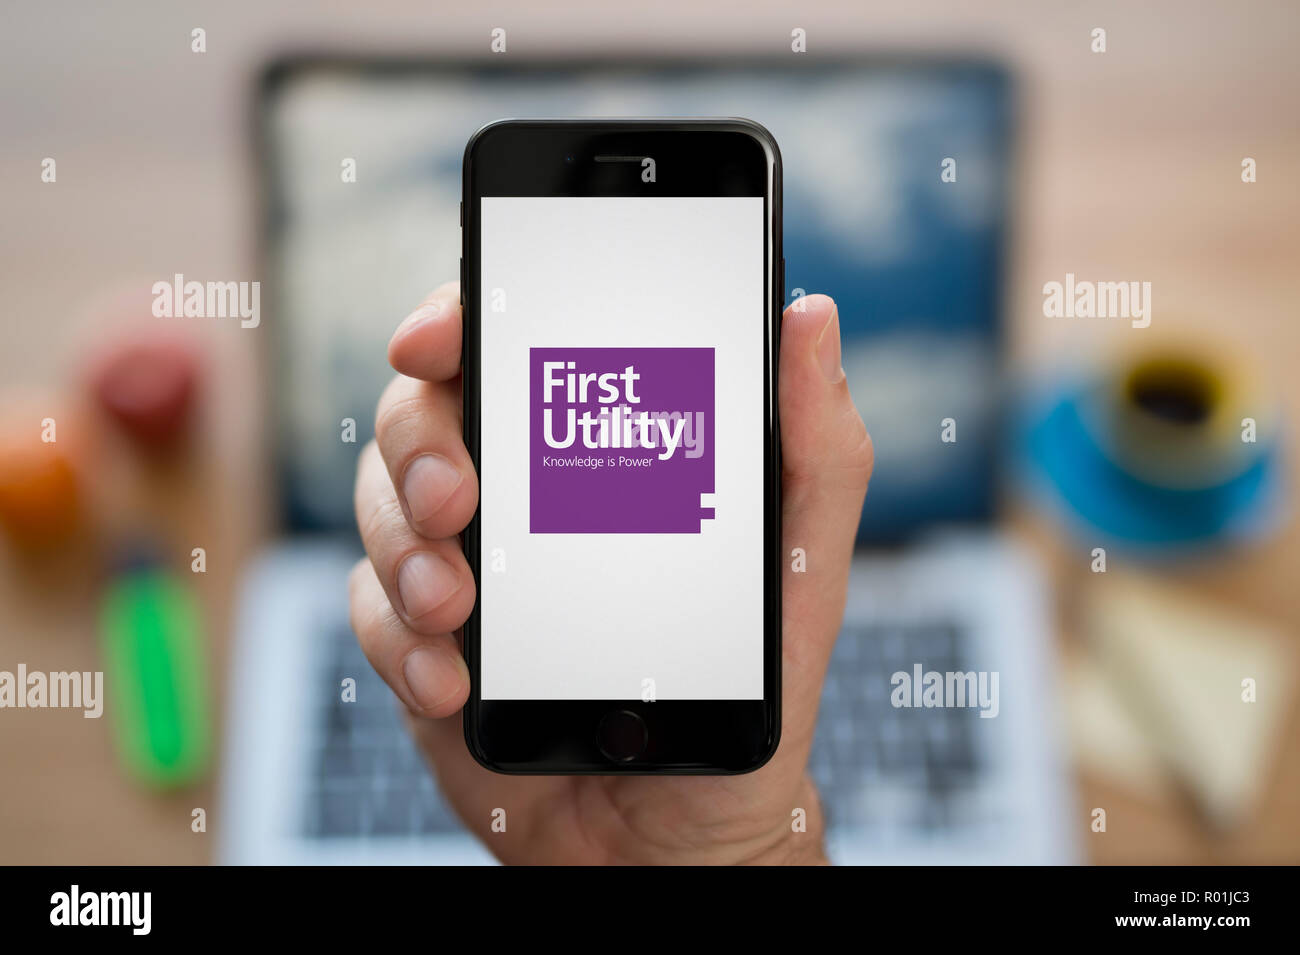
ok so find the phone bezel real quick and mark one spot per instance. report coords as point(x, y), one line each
point(703, 157)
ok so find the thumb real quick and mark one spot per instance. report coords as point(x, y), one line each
point(826, 463)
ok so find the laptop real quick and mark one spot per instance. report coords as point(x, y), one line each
point(871, 216)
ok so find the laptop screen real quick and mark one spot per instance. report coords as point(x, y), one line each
point(895, 204)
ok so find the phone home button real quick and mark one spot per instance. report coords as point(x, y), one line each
point(621, 735)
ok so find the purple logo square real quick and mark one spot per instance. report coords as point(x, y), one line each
point(622, 440)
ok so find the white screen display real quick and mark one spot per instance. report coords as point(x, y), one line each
point(622, 442)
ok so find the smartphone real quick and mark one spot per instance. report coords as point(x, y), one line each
point(622, 284)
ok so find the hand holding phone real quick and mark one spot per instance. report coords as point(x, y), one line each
point(417, 489)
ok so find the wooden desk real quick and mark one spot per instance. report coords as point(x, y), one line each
point(1129, 169)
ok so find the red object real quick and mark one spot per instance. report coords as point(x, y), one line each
point(148, 388)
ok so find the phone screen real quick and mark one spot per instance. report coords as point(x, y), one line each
point(623, 421)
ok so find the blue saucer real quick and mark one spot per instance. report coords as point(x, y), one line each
point(1108, 500)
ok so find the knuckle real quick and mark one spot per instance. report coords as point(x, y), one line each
point(377, 526)
point(361, 613)
point(399, 404)
point(860, 453)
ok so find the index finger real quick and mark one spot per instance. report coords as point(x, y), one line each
point(427, 343)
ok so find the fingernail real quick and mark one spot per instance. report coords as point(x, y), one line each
point(424, 313)
point(828, 348)
point(429, 480)
point(424, 582)
point(431, 675)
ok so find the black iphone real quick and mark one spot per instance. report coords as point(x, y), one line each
point(622, 283)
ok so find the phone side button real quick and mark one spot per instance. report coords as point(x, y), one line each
point(462, 285)
point(621, 735)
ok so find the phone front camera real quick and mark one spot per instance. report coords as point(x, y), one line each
point(569, 158)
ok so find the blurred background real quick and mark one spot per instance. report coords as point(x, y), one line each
point(1099, 511)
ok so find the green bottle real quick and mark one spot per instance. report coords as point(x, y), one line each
point(155, 676)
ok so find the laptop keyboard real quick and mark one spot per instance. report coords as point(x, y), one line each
point(877, 767)
point(369, 779)
point(883, 768)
